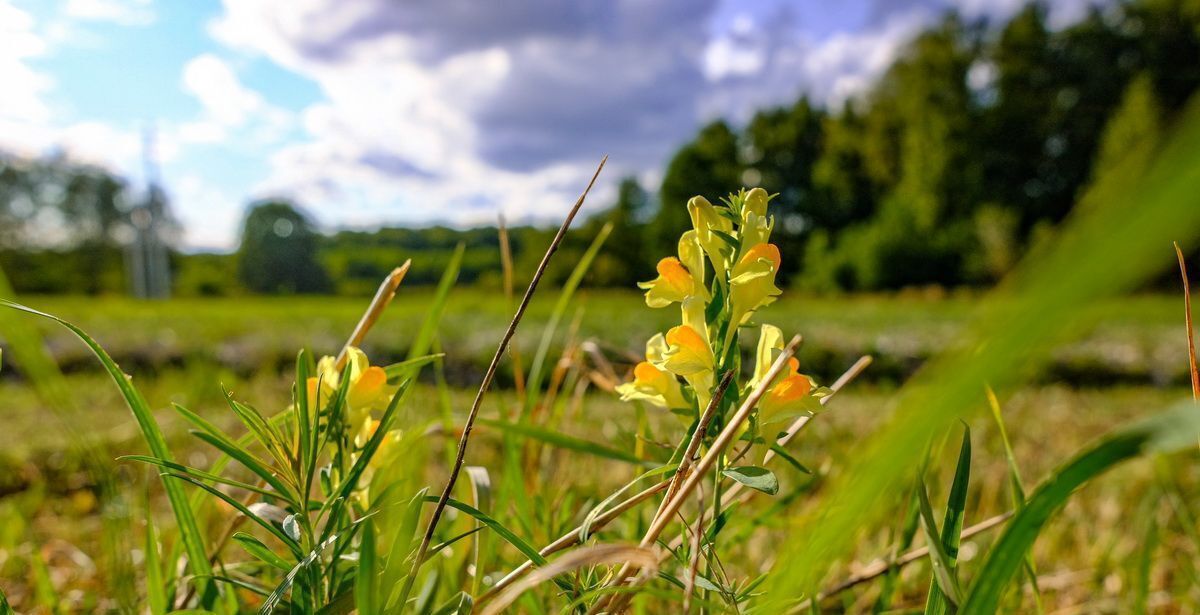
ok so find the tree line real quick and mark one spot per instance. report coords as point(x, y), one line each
point(966, 153)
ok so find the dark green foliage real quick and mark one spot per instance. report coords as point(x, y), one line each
point(279, 251)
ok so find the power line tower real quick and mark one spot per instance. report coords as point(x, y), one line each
point(147, 257)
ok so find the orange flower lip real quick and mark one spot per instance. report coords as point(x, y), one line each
point(369, 384)
point(645, 373)
point(686, 337)
point(763, 250)
point(792, 388)
point(675, 274)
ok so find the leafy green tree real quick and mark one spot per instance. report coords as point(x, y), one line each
point(708, 165)
point(278, 253)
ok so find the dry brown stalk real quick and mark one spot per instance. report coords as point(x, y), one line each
point(685, 462)
point(1187, 316)
point(469, 424)
point(383, 296)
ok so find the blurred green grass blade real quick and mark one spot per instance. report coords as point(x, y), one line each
point(408, 368)
point(956, 504)
point(1145, 556)
point(197, 473)
point(1017, 487)
point(189, 530)
point(437, 306)
point(585, 528)
point(1168, 432)
point(563, 441)
point(156, 593)
point(5, 608)
point(908, 531)
point(261, 551)
point(500, 529)
point(536, 368)
point(366, 580)
point(1100, 251)
point(943, 564)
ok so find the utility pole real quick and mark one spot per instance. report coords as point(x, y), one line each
point(147, 257)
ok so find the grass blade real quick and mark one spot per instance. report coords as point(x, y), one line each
point(943, 566)
point(534, 384)
point(366, 581)
point(1168, 432)
point(561, 440)
point(437, 305)
point(189, 530)
point(937, 603)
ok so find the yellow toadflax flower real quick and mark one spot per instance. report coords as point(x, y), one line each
point(652, 384)
point(791, 393)
point(368, 391)
point(752, 283)
point(709, 225)
point(689, 353)
point(678, 278)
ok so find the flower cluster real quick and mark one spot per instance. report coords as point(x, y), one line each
point(732, 238)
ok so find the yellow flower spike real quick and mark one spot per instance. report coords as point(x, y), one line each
point(752, 284)
point(707, 223)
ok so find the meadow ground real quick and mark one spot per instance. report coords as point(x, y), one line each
point(1128, 533)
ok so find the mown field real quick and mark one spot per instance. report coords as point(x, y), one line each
point(1127, 535)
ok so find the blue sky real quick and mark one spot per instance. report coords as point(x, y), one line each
point(372, 112)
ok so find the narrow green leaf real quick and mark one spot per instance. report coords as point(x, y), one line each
point(754, 477)
point(561, 440)
point(795, 463)
point(196, 473)
point(437, 305)
point(261, 551)
point(521, 545)
point(1174, 430)
point(366, 580)
point(534, 383)
point(408, 369)
point(270, 527)
point(460, 604)
point(251, 463)
point(943, 570)
point(937, 603)
point(156, 595)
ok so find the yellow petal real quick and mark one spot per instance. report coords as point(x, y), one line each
point(369, 386)
point(706, 220)
point(755, 201)
point(770, 343)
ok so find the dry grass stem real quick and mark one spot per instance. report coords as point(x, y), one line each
point(383, 296)
point(595, 555)
point(1187, 315)
point(486, 384)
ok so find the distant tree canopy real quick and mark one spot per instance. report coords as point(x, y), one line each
point(279, 251)
point(972, 145)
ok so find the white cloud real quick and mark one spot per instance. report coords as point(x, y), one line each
point(121, 12)
point(226, 104)
point(209, 215)
point(24, 87)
